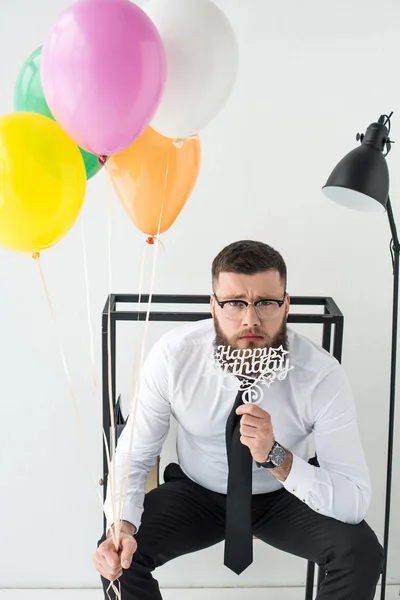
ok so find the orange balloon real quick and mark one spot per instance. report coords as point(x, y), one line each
point(155, 173)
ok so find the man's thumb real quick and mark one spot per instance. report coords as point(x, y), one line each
point(128, 548)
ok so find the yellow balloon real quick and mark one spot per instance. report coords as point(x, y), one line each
point(42, 182)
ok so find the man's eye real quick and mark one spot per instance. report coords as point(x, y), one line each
point(236, 303)
point(265, 303)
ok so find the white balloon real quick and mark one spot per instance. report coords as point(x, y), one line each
point(202, 64)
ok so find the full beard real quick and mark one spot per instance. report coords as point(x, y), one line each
point(221, 342)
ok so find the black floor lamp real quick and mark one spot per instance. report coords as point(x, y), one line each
point(361, 181)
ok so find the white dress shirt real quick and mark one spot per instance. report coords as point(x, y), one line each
point(315, 398)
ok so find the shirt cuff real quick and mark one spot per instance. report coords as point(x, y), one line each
point(300, 479)
point(131, 513)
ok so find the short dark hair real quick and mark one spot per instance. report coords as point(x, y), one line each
point(248, 257)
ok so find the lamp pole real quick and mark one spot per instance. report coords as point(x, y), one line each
point(395, 251)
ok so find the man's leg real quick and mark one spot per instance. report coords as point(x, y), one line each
point(351, 554)
point(179, 517)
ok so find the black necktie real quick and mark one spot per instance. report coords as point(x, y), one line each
point(238, 525)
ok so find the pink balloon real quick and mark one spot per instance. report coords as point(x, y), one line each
point(103, 73)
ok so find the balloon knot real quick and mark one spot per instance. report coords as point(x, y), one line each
point(102, 160)
point(36, 255)
point(150, 240)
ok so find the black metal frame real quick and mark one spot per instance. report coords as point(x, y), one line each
point(331, 317)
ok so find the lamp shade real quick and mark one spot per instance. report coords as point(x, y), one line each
point(361, 179)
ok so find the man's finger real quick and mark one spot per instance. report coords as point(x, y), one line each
point(98, 564)
point(102, 566)
point(248, 431)
point(251, 409)
point(251, 421)
point(112, 559)
point(129, 546)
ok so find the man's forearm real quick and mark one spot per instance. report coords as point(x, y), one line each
point(126, 527)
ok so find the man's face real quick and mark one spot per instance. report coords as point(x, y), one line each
point(250, 331)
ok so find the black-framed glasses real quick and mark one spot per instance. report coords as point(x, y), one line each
point(266, 308)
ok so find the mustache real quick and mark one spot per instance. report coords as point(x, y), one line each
point(249, 332)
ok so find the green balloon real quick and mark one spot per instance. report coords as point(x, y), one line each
point(29, 97)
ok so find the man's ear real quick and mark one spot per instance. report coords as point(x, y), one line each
point(287, 300)
point(212, 305)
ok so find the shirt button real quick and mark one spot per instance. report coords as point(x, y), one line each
point(294, 489)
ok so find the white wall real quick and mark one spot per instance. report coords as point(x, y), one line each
point(313, 74)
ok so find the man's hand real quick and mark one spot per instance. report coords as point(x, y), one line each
point(256, 431)
point(109, 563)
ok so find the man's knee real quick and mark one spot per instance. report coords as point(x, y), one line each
point(362, 548)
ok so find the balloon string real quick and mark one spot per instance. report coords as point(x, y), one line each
point(112, 470)
point(124, 481)
point(102, 161)
point(93, 364)
point(116, 591)
point(94, 376)
point(109, 228)
point(36, 256)
point(141, 279)
point(134, 400)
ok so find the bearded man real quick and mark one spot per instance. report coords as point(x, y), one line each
point(243, 466)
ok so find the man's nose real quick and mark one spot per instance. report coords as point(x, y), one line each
point(251, 318)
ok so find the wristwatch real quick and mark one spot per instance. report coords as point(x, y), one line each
point(275, 458)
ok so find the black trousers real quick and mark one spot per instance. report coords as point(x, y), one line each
point(181, 516)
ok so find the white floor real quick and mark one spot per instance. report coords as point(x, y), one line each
point(392, 593)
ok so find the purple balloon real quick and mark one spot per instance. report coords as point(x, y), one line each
point(103, 73)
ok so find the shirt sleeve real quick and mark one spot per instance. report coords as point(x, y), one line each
point(340, 487)
point(140, 441)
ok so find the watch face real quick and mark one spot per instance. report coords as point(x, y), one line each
point(278, 455)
